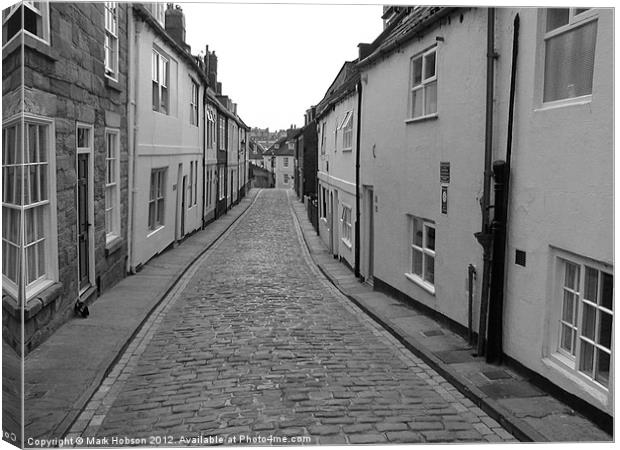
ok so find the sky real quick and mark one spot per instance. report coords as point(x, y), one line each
point(277, 60)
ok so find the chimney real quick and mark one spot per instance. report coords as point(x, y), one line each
point(218, 91)
point(234, 108)
point(212, 70)
point(175, 25)
point(364, 50)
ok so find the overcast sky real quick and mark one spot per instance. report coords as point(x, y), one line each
point(275, 61)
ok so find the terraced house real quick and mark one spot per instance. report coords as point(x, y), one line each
point(65, 145)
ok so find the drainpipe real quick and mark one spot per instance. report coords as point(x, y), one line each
point(484, 237)
point(204, 153)
point(357, 179)
point(133, 77)
point(502, 178)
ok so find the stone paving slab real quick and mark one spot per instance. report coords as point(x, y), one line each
point(62, 374)
point(512, 408)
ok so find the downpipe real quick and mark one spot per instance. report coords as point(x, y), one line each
point(501, 171)
point(485, 237)
point(357, 180)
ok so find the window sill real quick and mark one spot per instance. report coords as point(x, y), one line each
point(347, 150)
point(574, 101)
point(113, 244)
point(420, 282)
point(564, 366)
point(35, 304)
point(37, 44)
point(113, 84)
point(434, 116)
point(155, 230)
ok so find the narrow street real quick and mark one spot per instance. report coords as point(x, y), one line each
point(255, 346)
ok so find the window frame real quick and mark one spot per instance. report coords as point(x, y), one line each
point(575, 20)
point(194, 115)
point(159, 175)
point(422, 86)
point(425, 250)
point(571, 359)
point(47, 206)
point(211, 130)
point(158, 56)
point(347, 131)
point(111, 33)
point(115, 231)
point(44, 12)
point(346, 225)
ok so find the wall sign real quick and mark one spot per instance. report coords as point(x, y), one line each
point(444, 172)
point(444, 199)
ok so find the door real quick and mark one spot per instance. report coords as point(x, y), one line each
point(336, 225)
point(331, 222)
point(183, 200)
point(83, 221)
point(370, 234)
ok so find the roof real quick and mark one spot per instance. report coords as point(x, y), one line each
point(410, 24)
point(282, 149)
point(344, 83)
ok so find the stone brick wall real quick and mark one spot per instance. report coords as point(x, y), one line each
point(66, 81)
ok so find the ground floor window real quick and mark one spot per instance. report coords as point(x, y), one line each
point(221, 185)
point(586, 320)
point(323, 203)
point(285, 178)
point(157, 198)
point(345, 221)
point(422, 251)
point(112, 195)
point(27, 195)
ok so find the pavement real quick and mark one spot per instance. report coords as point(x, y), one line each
point(522, 408)
point(62, 373)
point(255, 345)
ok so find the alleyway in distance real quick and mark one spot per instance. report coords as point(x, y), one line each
point(258, 345)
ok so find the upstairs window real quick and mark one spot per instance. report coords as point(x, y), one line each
point(111, 40)
point(159, 76)
point(423, 95)
point(570, 41)
point(30, 17)
point(222, 133)
point(285, 162)
point(347, 131)
point(210, 127)
point(193, 104)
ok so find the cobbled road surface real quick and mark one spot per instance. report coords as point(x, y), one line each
point(255, 346)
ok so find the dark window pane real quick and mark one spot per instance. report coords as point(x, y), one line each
point(591, 285)
point(607, 291)
point(604, 332)
point(602, 368)
point(588, 322)
point(586, 361)
point(566, 339)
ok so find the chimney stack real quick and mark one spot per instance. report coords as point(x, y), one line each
point(364, 50)
point(175, 25)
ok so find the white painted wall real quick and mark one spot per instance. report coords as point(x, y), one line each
point(163, 140)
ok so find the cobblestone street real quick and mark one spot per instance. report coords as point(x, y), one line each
point(255, 343)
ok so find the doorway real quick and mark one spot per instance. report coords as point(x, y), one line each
point(370, 233)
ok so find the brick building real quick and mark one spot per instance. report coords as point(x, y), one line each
point(73, 120)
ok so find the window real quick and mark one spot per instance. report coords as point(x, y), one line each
point(112, 186)
point(423, 98)
point(34, 21)
point(345, 221)
point(423, 251)
point(111, 39)
point(27, 169)
point(190, 188)
point(221, 187)
point(324, 203)
point(569, 53)
point(347, 131)
point(222, 133)
point(195, 182)
point(291, 145)
point(157, 198)
point(159, 12)
point(211, 117)
point(159, 75)
point(285, 178)
point(323, 138)
point(193, 104)
point(285, 161)
point(586, 322)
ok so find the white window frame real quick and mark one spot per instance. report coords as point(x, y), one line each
point(285, 161)
point(347, 131)
point(48, 206)
point(221, 145)
point(576, 19)
point(111, 40)
point(211, 133)
point(40, 8)
point(163, 86)
point(426, 252)
point(323, 138)
point(194, 117)
point(345, 225)
point(113, 229)
point(422, 86)
point(159, 12)
point(570, 357)
point(159, 175)
point(89, 150)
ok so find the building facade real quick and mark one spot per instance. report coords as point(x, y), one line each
point(424, 143)
point(73, 126)
point(336, 118)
